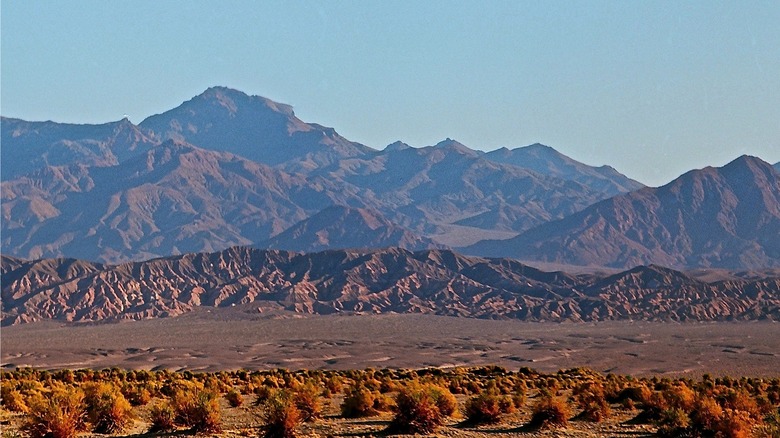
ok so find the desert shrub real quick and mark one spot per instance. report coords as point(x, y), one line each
point(308, 402)
point(735, 424)
point(421, 408)
point(637, 394)
point(706, 415)
point(673, 422)
point(680, 396)
point(138, 394)
point(445, 401)
point(61, 414)
point(13, 400)
point(234, 398)
point(549, 412)
point(416, 410)
point(198, 410)
point(280, 415)
point(334, 384)
point(591, 399)
point(487, 407)
point(771, 426)
point(262, 393)
point(162, 417)
point(359, 401)
point(518, 394)
point(107, 409)
point(741, 401)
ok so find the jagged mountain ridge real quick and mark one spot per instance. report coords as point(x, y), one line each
point(726, 217)
point(377, 281)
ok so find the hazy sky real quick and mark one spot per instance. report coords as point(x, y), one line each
point(652, 88)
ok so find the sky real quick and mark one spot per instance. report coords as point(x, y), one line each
point(652, 88)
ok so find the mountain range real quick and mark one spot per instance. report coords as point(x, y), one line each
point(388, 280)
point(725, 217)
point(226, 169)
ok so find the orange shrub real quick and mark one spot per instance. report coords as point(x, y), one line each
point(61, 414)
point(280, 415)
point(549, 412)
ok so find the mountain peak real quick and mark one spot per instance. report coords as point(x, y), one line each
point(234, 100)
point(224, 119)
point(454, 145)
point(397, 146)
point(746, 160)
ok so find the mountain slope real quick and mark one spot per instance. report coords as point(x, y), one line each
point(172, 199)
point(338, 227)
point(547, 161)
point(725, 217)
point(28, 146)
point(449, 183)
point(377, 281)
point(253, 127)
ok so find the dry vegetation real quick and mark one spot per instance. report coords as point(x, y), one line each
point(449, 402)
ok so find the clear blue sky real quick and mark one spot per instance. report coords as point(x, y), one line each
point(653, 88)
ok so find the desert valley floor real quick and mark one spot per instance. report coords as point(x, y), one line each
point(225, 339)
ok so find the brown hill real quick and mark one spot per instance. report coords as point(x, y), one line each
point(377, 281)
point(725, 217)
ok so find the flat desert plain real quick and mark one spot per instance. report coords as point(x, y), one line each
point(225, 339)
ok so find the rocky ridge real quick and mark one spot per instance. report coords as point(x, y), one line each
point(391, 280)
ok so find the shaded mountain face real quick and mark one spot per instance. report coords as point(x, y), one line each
point(340, 227)
point(172, 199)
point(376, 281)
point(253, 127)
point(451, 184)
point(726, 217)
point(547, 161)
point(29, 146)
